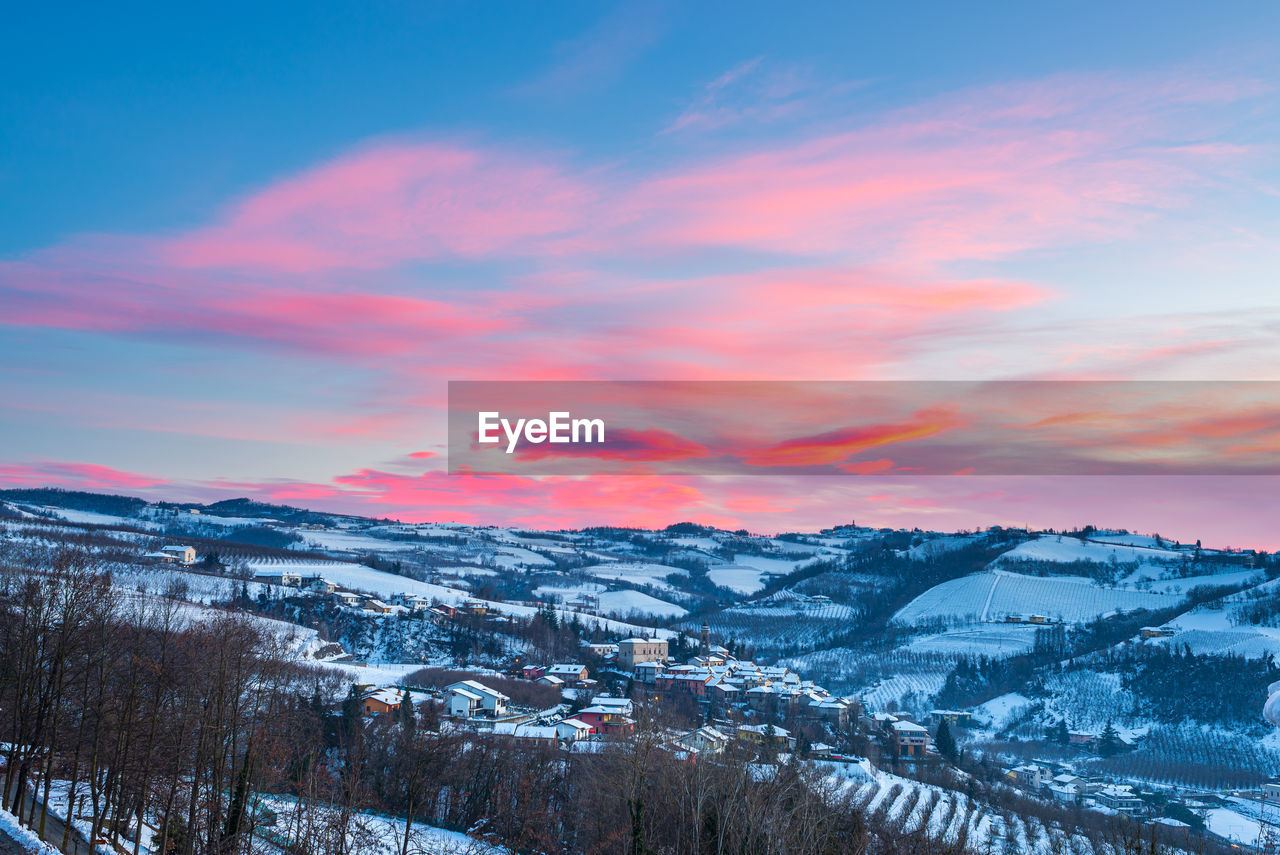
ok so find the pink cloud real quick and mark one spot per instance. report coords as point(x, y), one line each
point(389, 204)
point(80, 476)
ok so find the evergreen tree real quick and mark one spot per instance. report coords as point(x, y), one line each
point(352, 708)
point(945, 741)
point(405, 713)
point(1061, 735)
point(1109, 744)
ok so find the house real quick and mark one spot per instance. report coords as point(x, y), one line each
point(184, 554)
point(1031, 776)
point(607, 719)
point(766, 734)
point(953, 718)
point(533, 672)
point(283, 579)
point(1013, 618)
point(834, 711)
point(541, 733)
point(762, 699)
point(383, 701)
point(687, 682)
point(476, 607)
point(1119, 798)
point(413, 602)
point(468, 698)
point(548, 680)
point(620, 705)
point(603, 650)
point(377, 607)
point(1037, 619)
point(633, 651)
point(1157, 632)
point(346, 598)
point(1066, 794)
point(572, 729)
point(1079, 737)
point(909, 739)
point(1271, 791)
point(704, 740)
point(572, 674)
point(317, 584)
point(648, 672)
point(441, 613)
point(720, 689)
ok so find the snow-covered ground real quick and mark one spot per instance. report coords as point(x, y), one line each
point(636, 573)
point(1062, 548)
point(997, 641)
point(999, 713)
point(743, 580)
point(91, 518)
point(992, 595)
point(1210, 630)
point(23, 836)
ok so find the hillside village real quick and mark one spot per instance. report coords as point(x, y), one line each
point(977, 688)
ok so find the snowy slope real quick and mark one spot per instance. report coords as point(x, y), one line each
point(992, 595)
point(1064, 549)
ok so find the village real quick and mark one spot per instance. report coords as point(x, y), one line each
point(694, 698)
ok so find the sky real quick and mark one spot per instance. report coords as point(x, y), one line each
point(243, 250)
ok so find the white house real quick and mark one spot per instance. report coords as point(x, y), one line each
point(468, 698)
point(571, 729)
point(413, 602)
point(704, 740)
point(284, 580)
point(184, 554)
point(347, 598)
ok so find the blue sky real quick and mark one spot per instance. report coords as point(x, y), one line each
point(242, 249)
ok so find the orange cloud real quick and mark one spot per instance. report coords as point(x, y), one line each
point(839, 445)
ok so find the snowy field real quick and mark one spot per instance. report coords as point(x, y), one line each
point(1061, 548)
point(1147, 580)
point(992, 595)
point(636, 573)
point(994, 642)
point(1207, 630)
point(955, 818)
point(741, 580)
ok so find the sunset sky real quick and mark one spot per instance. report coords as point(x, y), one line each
point(242, 251)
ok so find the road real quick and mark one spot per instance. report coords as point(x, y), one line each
point(54, 828)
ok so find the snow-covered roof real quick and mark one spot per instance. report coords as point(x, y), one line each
point(389, 696)
point(526, 731)
point(566, 669)
point(908, 727)
point(577, 723)
point(473, 686)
